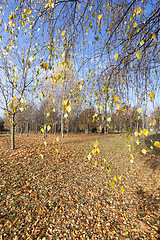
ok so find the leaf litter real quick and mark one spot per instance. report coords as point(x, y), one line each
point(65, 196)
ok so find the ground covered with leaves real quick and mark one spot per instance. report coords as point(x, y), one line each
point(50, 189)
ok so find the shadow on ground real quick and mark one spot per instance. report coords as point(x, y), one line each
point(148, 208)
point(153, 157)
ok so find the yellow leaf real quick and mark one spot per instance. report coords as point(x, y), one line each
point(63, 33)
point(29, 11)
point(97, 150)
point(95, 163)
point(63, 55)
point(116, 99)
point(44, 65)
point(154, 36)
point(48, 128)
point(144, 151)
point(136, 133)
point(118, 106)
point(137, 11)
point(151, 95)
point(14, 98)
point(145, 132)
point(157, 144)
point(57, 139)
point(42, 130)
point(137, 142)
point(90, 8)
point(68, 108)
point(45, 143)
point(116, 56)
point(109, 119)
point(99, 16)
point(134, 24)
point(153, 122)
point(80, 87)
point(122, 189)
point(56, 150)
point(41, 95)
point(89, 156)
point(115, 178)
point(96, 143)
point(93, 15)
point(51, 96)
point(139, 110)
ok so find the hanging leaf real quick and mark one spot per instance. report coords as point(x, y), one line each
point(157, 144)
point(44, 65)
point(48, 128)
point(93, 14)
point(115, 99)
point(153, 122)
point(135, 25)
point(51, 96)
point(63, 33)
point(118, 106)
point(139, 54)
point(151, 95)
point(116, 56)
point(41, 95)
point(145, 132)
point(137, 11)
point(139, 110)
point(89, 156)
point(90, 8)
point(99, 17)
point(68, 108)
point(29, 11)
point(144, 151)
point(154, 36)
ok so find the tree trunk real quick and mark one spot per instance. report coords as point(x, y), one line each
point(27, 129)
point(55, 128)
point(13, 133)
point(62, 125)
point(67, 127)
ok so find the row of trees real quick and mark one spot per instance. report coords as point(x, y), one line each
point(46, 118)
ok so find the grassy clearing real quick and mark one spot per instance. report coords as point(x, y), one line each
point(64, 196)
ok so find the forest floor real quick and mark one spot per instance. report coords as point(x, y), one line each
point(50, 189)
